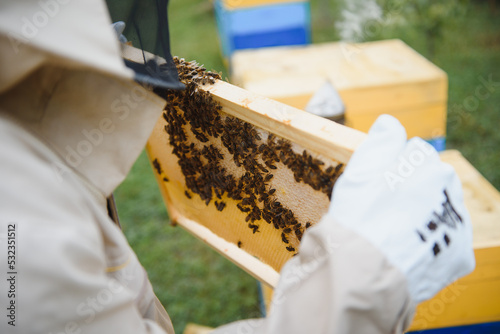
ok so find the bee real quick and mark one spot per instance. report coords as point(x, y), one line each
point(268, 177)
point(242, 208)
point(262, 168)
point(283, 238)
point(157, 166)
point(239, 244)
point(165, 179)
point(247, 201)
point(220, 205)
point(298, 233)
point(187, 194)
point(254, 227)
point(270, 165)
point(263, 197)
point(308, 224)
point(290, 249)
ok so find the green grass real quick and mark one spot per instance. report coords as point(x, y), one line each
point(197, 285)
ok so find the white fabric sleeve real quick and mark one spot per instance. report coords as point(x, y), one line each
point(338, 283)
point(62, 285)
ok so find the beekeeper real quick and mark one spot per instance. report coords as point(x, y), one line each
point(72, 123)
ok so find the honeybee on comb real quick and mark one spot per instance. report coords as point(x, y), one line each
point(230, 162)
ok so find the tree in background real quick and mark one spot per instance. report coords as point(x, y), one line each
point(431, 16)
point(365, 20)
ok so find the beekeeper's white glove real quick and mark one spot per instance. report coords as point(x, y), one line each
point(119, 27)
point(403, 199)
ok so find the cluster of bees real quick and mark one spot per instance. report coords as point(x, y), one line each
point(193, 113)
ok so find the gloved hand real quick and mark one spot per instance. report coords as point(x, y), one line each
point(119, 27)
point(399, 195)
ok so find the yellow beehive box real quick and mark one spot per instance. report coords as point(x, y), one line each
point(372, 78)
point(472, 303)
point(236, 4)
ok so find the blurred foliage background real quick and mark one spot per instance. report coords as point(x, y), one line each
point(463, 38)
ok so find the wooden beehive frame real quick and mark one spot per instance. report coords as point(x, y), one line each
point(318, 135)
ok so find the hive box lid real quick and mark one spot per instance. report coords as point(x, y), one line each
point(236, 4)
point(370, 77)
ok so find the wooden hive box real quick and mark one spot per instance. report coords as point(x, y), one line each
point(371, 78)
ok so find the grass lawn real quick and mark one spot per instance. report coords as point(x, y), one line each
point(196, 284)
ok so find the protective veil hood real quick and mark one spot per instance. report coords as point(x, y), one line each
point(64, 80)
point(73, 33)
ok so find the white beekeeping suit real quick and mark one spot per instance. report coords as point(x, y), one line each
point(72, 123)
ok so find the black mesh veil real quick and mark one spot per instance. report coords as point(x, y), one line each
point(147, 28)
